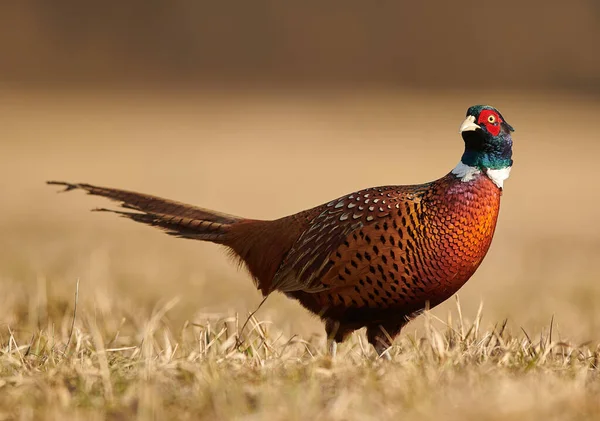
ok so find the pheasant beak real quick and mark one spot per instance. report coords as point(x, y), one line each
point(469, 125)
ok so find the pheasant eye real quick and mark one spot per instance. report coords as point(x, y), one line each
point(491, 119)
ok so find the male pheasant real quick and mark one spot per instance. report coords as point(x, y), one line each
point(374, 258)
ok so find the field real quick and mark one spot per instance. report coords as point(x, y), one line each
point(101, 318)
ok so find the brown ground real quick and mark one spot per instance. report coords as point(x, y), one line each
point(264, 156)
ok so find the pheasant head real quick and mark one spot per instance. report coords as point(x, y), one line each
point(488, 145)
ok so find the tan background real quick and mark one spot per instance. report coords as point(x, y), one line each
point(463, 43)
point(268, 109)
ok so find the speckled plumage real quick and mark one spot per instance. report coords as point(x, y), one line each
point(409, 247)
point(373, 258)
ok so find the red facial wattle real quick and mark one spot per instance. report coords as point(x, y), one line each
point(491, 120)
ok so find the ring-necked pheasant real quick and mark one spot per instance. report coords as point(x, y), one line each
point(373, 258)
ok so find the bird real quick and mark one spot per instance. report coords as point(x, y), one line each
point(375, 258)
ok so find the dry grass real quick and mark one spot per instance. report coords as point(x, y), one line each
point(156, 329)
point(209, 370)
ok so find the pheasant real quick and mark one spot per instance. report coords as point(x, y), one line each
point(374, 258)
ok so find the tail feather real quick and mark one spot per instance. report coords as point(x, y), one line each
point(181, 227)
point(150, 204)
point(260, 245)
point(175, 218)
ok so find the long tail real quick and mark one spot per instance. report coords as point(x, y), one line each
point(259, 245)
point(178, 219)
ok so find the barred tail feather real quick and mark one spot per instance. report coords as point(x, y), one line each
point(175, 218)
point(259, 245)
point(181, 227)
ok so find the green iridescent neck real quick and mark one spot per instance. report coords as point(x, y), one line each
point(494, 154)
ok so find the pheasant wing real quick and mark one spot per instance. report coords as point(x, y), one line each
point(334, 237)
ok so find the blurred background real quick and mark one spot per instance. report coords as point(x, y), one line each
point(386, 44)
point(266, 108)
